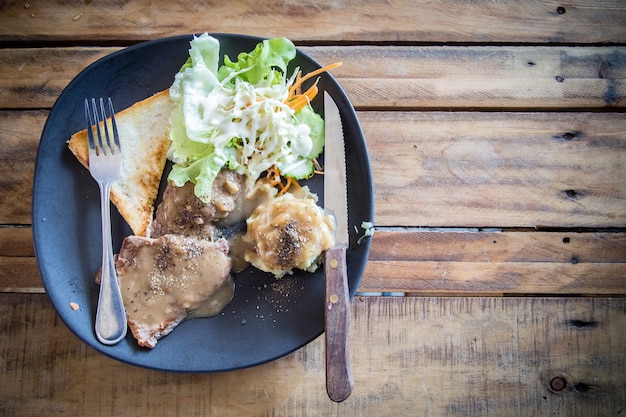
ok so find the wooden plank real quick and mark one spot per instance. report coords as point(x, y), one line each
point(495, 278)
point(18, 266)
point(376, 77)
point(19, 139)
point(16, 241)
point(440, 263)
point(20, 274)
point(583, 21)
point(562, 247)
point(506, 263)
point(35, 77)
point(461, 169)
point(417, 356)
point(479, 77)
point(497, 169)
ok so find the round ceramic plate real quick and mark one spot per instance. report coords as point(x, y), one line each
point(267, 318)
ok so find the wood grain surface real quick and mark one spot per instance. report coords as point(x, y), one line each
point(441, 169)
point(582, 21)
point(389, 76)
point(475, 263)
point(410, 356)
point(497, 138)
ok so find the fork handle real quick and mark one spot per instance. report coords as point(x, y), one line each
point(111, 323)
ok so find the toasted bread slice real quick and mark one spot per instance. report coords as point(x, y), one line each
point(144, 130)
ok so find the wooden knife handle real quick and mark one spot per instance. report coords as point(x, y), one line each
point(339, 381)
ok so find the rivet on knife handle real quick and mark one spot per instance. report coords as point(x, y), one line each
point(339, 380)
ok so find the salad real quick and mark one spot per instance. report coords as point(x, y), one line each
point(248, 115)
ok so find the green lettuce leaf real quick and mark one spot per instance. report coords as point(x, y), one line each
point(259, 64)
point(207, 136)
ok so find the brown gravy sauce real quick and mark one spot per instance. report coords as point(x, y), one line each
point(217, 302)
point(245, 205)
point(158, 288)
point(201, 285)
point(261, 193)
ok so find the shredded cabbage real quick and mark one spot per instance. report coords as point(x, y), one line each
point(235, 115)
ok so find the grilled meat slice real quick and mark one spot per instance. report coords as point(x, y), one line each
point(167, 280)
point(181, 212)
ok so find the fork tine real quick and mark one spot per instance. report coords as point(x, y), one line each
point(90, 125)
point(101, 146)
point(106, 141)
point(116, 137)
point(95, 117)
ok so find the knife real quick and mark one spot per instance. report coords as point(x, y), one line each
point(339, 381)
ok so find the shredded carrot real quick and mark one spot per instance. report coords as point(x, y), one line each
point(300, 80)
point(274, 179)
point(273, 176)
point(285, 187)
point(298, 102)
point(296, 99)
point(302, 100)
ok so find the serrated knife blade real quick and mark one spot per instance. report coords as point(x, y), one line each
point(339, 380)
point(335, 181)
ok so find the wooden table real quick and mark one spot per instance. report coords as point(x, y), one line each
point(497, 138)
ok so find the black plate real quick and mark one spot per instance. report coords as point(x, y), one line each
point(267, 318)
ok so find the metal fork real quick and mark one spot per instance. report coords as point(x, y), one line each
point(105, 161)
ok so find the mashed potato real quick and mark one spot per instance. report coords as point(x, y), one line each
point(288, 232)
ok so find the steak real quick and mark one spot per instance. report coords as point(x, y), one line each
point(181, 212)
point(169, 279)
